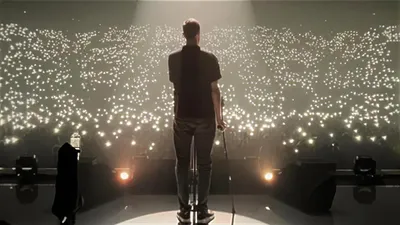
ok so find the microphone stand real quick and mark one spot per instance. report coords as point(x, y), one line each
point(194, 183)
point(228, 163)
point(194, 175)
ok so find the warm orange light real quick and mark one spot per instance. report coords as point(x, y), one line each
point(124, 176)
point(269, 176)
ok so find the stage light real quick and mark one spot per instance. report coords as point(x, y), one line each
point(310, 141)
point(331, 135)
point(335, 145)
point(75, 140)
point(291, 141)
point(217, 142)
point(372, 138)
point(14, 140)
point(124, 176)
point(133, 143)
point(26, 168)
point(296, 150)
point(364, 168)
point(358, 138)
point(268, 176)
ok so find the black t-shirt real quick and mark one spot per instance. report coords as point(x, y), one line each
point(192, 71)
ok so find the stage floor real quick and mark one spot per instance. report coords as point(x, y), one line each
point(126, 208)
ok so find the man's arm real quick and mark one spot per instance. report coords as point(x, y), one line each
point(216, 98)
point(170, 73)
point(215, 92)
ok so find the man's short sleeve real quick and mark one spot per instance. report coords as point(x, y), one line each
point(215, 71)
point(171, 71)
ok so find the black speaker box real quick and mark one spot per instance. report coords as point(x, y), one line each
point(153, 176)
point(307, 184)
point(246, 175)
point(26, 168)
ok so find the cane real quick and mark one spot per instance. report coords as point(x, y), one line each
point(229, 168)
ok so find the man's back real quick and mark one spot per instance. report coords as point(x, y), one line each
point(192, 71)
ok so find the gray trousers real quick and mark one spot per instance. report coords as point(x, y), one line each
point(203, 132)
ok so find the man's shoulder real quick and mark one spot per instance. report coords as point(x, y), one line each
point(175, 53)
point(208, 54)
point(204, 53)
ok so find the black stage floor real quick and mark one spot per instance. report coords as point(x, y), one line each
point(160, 209)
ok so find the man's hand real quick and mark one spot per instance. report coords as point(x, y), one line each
point(221, 125)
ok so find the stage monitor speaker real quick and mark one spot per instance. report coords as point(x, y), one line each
point(26, 169)
point(246, 177)
point(307, 184)
point(153, 176)
point(97, 184)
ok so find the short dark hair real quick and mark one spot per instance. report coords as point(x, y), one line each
point(191, 28)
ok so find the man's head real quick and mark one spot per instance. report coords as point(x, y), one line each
point(191, 30)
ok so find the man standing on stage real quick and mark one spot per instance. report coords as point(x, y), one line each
point(197, 106)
